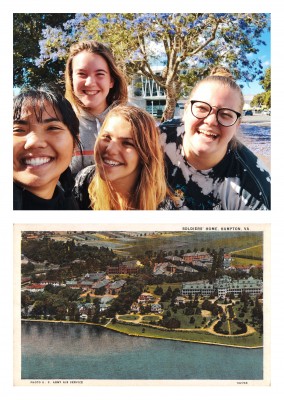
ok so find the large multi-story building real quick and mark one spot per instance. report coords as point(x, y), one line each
point(197, 287)
point(126, 267)
point(223, 286)
point(197, 256)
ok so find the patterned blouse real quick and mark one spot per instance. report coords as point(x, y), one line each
point(238, 182)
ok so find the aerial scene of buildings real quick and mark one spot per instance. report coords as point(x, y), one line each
point(165, 281)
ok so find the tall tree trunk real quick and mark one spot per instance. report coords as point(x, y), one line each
point(171, 99)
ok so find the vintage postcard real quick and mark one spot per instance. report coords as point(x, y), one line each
point(141, 305)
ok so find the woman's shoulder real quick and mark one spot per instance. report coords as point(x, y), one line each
point(250, 159)
point(172, 128)
point(82, 182)
point(255, 176)
point(85, 175)
point(64, 201)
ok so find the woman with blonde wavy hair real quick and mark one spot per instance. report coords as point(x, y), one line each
point(129, 166)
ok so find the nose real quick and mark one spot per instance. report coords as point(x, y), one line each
point(35, 140)
point(112, 147)
point(212, 118)
point(89, 81)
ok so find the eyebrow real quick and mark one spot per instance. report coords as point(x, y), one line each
point(120, 138)
point(44, 121)
point(96, 70)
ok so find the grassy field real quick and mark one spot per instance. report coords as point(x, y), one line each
point(128, 317)
point(230, 241)
point(254, 251)
point(150, 318)
point(201, 336)
point(244, 262)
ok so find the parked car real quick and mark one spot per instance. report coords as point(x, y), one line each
point(173, 122)
point(266, 112)
point(248, 112)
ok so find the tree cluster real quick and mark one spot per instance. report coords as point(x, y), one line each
point(187, 45)
point(263, 100)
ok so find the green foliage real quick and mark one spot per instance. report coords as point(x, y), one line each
point(158, 291)
point(188, 45)
point(66, 252)
point(258, 100)
point(263, 99)
point(27, 32)
point(28, 268)
point(121, 304)
point(171, 323)
point(266, 81)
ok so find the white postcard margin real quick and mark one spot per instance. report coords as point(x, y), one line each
point(265, 228)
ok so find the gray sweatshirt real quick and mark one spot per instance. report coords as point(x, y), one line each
point(89, 129)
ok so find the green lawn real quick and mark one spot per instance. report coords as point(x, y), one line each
point(128, 317)
point(253, 340)
point(184, 319)
point(150, 318)
point(244, 261)
point(254, 251)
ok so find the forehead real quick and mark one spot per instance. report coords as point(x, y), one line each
point(217, 94)
point(85, 59)
point(39, 110)
point(118, 126)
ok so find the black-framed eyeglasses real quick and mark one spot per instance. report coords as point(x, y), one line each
point(225, 116)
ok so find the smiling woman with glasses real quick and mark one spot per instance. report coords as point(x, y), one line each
point(225, 116)
point(206, 164)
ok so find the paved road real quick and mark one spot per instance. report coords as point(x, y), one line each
point(263, 120)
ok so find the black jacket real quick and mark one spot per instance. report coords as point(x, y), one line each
point(25, 200)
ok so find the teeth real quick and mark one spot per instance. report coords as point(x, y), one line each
point(112, 163)
point(88, 92)
point(208, 133)
point(37, 161)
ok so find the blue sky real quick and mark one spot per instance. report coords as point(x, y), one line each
point(265, 56)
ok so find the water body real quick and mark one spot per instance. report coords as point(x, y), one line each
point(69, 351)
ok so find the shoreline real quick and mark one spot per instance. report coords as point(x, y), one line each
point(145, 335)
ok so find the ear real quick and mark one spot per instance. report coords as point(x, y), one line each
point(75, 148)
point(111, 85)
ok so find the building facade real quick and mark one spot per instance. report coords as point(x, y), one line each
point(147, 94)
point(223, 286)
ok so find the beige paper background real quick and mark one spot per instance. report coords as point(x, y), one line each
point(9, 219)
